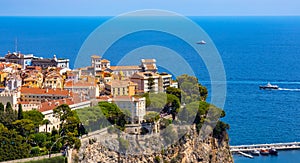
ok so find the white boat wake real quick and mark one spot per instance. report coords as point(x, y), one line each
point(288, 89)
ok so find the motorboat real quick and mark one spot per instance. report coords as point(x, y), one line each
point(273, 151)
point(201, 42)
point(269, 86)
point(264, 152)
point(254, 153)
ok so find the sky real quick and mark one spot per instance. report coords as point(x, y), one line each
point(116, 7)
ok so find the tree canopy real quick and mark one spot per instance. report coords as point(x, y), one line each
point(114, 114)
point(35, 116)
point(191, 89)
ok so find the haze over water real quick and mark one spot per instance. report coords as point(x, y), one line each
point(255, 50)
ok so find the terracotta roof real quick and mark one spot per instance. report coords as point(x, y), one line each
point(104, 98)
point(39, 91)
point(50, 105)
point(124, 67)
point(148, 60)
point(150, 67)
point(116, 98)
point(30, 79)
point(33, 67)
point(126, 98)
point(119, 83)
point(79, 84)
point(27, 102)
point(95, 56)
point(105, 61)
point(142, 75)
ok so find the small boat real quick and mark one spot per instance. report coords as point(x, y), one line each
point(273, 151)
point(264, 152)
point(269, 86)
point(255, 153)
point(201, 42)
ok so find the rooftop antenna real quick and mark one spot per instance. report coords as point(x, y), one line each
point(16, 45)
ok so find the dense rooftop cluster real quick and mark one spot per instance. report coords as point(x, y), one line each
point(45, 83)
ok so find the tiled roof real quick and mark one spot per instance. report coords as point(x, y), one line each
point(95, 56)
point(50, 105)
point(144, 75)
point(79, 84)
point(116, 98)
point(119, 83)
point(104, 98)
point(33, 68)
point(126, 98)
point(39, 91)
point(30, 79)
point(105, 61)
point(124, 68)
point(150, 67)
point(148, 60)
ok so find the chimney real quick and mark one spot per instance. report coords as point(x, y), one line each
point(47, 90)
point(49, 103)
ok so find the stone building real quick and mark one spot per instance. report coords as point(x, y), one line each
point(31, 60)
point(120, 88)
point(146, 81)
point(135, 105)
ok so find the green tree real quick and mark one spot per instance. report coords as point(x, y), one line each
point(1, 107)
point(150, 83)
point(40, 139)
point(6, 118)
point(13, 146)
point(35, 116)
point(174, 91)
point(92, 118)
point(162, 102)
point(20, 112)
point(219, 130)
point(63, 112)
point(24, 127)
point(68, 126)
point(191, 89)
point(8, 107)
point(203, 92)
point(113, 114)
point(151, 117)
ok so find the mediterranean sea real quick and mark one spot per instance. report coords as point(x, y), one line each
point(254, 50)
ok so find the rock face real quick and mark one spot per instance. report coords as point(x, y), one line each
point(189, 149)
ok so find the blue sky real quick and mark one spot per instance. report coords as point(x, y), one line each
point(115, 7)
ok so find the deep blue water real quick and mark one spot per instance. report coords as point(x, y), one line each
point(254, 50)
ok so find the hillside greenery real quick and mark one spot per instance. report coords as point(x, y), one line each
point(20, 136)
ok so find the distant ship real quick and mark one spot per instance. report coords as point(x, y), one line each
point(201, 42)
point(268, 86)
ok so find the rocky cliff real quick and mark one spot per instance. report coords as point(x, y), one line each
point(190, 148)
